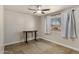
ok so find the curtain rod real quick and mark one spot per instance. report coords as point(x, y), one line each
point(59, 13)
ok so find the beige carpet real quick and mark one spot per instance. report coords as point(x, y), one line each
point(38, 47)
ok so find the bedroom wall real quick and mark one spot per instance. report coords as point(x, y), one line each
point(56, 37)
point(1, 29)
point(15, 23)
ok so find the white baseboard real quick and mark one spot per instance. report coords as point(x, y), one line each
point(13, 42)
point(16, 42)
point(76, 49)
point(5, 44)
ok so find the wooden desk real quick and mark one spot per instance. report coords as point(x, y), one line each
point(35, 34)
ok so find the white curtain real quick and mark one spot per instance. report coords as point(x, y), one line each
point(69, 25)
point(47, 24)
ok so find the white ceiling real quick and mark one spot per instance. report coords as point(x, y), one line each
point(24, 8)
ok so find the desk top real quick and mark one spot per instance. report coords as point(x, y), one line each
point(31, 31)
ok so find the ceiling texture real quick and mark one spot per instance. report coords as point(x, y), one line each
point(24, 8)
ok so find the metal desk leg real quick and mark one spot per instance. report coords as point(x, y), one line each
point(26, 37)
point(35, 35)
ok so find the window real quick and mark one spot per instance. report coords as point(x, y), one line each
point(56, 23)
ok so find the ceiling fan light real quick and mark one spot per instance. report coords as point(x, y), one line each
point(39, 11)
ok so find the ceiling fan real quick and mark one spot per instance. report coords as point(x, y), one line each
point(38, 9)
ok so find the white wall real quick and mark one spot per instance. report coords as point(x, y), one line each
point(1, 29)
point(15, 23)
point(57, 38)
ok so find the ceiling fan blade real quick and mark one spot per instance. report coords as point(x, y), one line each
point(31, 9)
point(34, 12)
point(42, 12)
point(45, 9)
